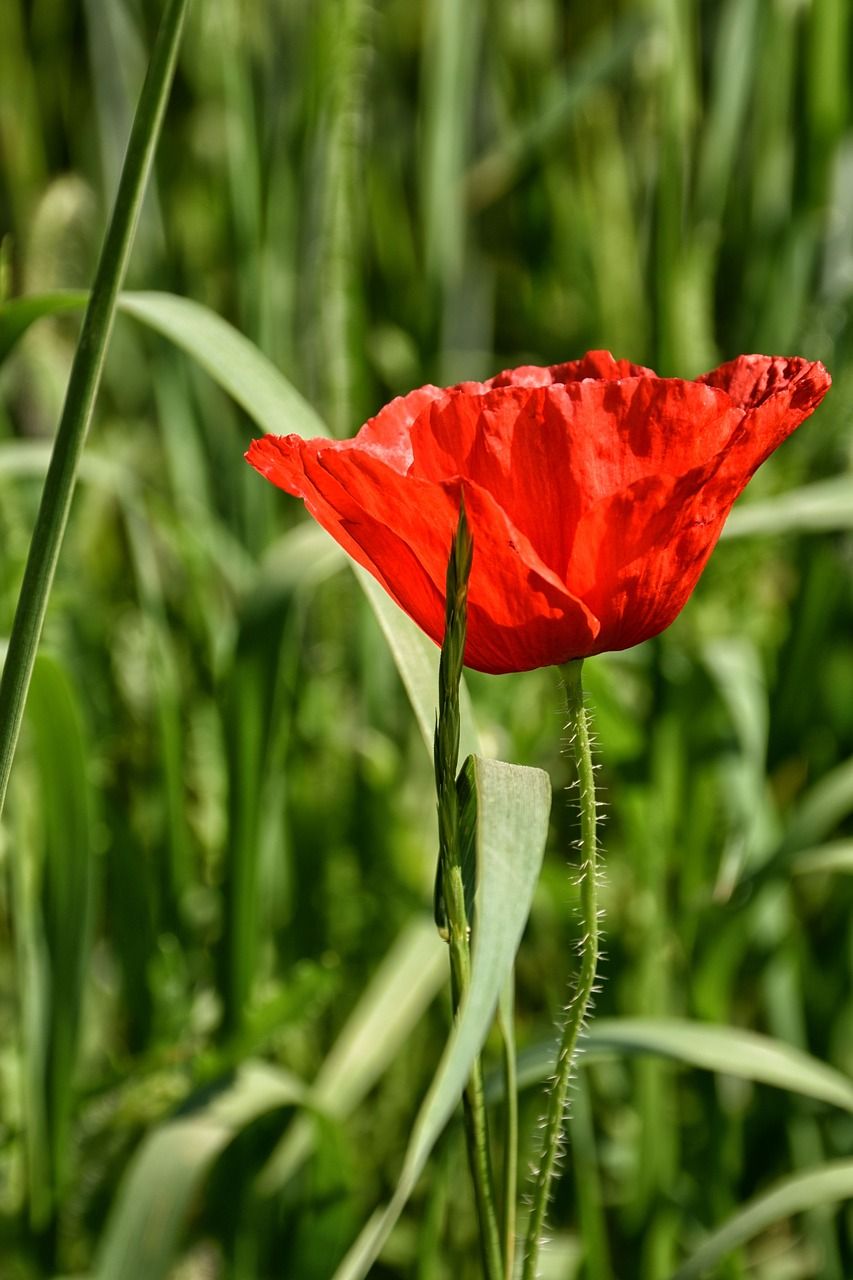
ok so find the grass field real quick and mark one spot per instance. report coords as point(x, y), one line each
point(219, 846)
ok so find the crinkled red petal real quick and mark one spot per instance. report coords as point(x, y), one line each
point(595, 492)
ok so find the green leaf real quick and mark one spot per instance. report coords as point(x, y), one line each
point(143, 1233)
point(56, 724)
point(735, 667)
point(825, 1185)
point(83, 383)
point(814, 508)
point(234, 362)
point(18, 314)
point(513, 804)
point(275, 405)
point(230, 359)
point(822, 808)
point(728, 1050)
point(51, 884)
point(837, 855)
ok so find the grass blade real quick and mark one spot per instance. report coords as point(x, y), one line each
point(275, 405)
point(827, 1184)
point(835, 856)
point(232, 360)
point(822, 507)
point(143, 1234)
point(82, 388)
point(727, 1050)
point(57, 730)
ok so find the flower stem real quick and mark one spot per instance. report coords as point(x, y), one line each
point(451, 906)
point(82, 388)
point(578, 729)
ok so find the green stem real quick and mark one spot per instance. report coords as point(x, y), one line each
point(578, 729)
point(82, 389)
point(510, 1164)
point(451, 907)
point(473, 1100)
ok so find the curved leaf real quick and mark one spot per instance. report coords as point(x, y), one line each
point(814, 508)
point(57, 727)
point(18, 314)
point(143, 1233)
point(513, 804)
point(827, 1184)
point(246, 374)
point(232, 360)
point(837, 855)
point(728, 1050)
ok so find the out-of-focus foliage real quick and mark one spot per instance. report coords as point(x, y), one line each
point(220, 841)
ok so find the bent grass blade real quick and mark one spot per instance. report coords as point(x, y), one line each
point(726, 1050)
point(827, 1185)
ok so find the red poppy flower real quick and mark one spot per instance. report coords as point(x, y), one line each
point(595, 492)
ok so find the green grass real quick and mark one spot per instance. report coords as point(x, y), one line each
point(221, 822)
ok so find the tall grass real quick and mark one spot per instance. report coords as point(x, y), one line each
point(220, 818)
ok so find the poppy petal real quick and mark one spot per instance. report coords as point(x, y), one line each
point(595, 491)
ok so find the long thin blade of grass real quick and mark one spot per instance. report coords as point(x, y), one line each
point(66, 888)
point(83, 388)
point(728, 1050)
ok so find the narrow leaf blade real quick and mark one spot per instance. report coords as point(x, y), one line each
point(828, 1184)
point(232, 360)
point(143, 1234)
point(513, 804)
point(728, 1050)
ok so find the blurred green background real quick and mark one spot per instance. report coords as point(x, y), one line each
point(219, 847)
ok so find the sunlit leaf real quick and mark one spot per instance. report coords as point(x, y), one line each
point(513, 804)
point(729, 1050)
point(230, 359)
point(814, 508)
point(246, 374)
point(835, 856)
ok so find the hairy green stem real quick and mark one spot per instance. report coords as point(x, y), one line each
point(82, 388)
point(578, 729)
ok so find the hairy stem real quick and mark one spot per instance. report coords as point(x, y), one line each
point(578, 729)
